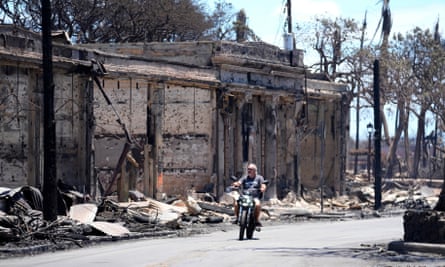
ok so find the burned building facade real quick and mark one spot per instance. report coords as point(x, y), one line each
point(21, 113)
point(168, 118)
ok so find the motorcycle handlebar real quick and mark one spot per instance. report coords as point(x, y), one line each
point(234, 178)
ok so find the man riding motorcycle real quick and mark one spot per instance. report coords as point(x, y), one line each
point(254, 183)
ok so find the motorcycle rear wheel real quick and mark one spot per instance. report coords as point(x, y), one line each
point(242, 224)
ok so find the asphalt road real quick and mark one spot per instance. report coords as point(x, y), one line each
point(339, 243)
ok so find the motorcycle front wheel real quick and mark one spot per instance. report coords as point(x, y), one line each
point(250, 227)
point(242, 224)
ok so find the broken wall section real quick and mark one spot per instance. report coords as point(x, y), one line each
point(182, 124)
point(324, 136)
point(21, 130)
point(187, 149)
point(320, 147)
point(126, 112)
point(14, 113)
point(170, 122)
point(259, 127)
point(21, 114)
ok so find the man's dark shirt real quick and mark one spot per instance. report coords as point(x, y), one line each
point(252, 184)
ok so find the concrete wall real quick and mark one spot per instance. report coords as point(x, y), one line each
point(21, 114)
point(127, 110)
point(320, 145)
point(22, 122)
point(14, 136)
point(187, 148)
point(196, 113)
point(73, 129)
point(184, 122)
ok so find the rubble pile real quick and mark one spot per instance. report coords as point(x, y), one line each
point(83, 222)
point(23, 229)
point(397, 196)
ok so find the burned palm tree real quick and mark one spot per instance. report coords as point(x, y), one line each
point(241, 26)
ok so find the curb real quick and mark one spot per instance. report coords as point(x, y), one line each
point(93, 240)
point(404, 247)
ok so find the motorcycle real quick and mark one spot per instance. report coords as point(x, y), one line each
point(246, 212)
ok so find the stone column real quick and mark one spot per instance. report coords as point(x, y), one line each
point(271, 147)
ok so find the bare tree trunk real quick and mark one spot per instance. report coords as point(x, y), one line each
point(385, 126)
point(392, 156)
point(407, 150)
point(419, 140)
point(384, 133)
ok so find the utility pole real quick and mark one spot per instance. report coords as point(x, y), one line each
point(357, 115)
point(49, 129)
point(377, 137)
point(289, 31)
point(289, 16)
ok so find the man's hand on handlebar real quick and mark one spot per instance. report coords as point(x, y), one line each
point(263, 188)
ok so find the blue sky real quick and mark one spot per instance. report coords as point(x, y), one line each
point(267, 18)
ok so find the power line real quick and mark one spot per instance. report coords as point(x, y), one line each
point(281, 21)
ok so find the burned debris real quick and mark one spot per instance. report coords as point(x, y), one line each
point(85, 222)
point(148, 135)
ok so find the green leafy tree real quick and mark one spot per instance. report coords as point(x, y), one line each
point(90, 21)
